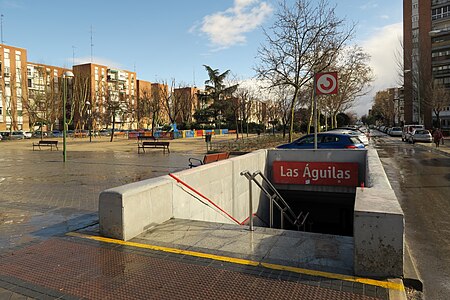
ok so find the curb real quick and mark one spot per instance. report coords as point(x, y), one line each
point(411, 277)
point(397, 294)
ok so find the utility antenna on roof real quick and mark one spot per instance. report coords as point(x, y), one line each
point(193, 74)
point(1, 26)
point(92, 45)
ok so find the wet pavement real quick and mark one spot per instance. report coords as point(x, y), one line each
point(420, 177)
point(42, 199)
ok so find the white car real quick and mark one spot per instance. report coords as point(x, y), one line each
point(17, 135)
point(396, 131)
point(420, 135)
point(364, 139)
point(408, 129)
point(27, 134)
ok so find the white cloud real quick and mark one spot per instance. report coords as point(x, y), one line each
point(382, 46)
point(369, 5)
point(96, 60)
point(228, 28)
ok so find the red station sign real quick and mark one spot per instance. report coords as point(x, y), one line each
point(315, 173)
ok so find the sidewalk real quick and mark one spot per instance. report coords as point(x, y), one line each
point(50, 248)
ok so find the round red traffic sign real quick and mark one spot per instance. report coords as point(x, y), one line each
point(326, 83)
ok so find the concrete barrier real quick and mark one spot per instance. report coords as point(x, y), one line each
point(378, 225)
point(129, 210)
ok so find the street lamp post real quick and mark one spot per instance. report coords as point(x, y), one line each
point(66, 76)
point(89, 111)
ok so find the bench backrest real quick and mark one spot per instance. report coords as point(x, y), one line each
point(223, 155)
point(209, 158)
point(155, 143)
point(48, 142)
point(145, 137)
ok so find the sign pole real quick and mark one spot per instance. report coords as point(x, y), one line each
point(315, 113)
point(324, 84)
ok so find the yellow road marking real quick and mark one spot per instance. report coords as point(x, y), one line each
point(384, 284)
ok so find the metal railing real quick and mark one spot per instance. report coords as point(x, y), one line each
point(274, 199)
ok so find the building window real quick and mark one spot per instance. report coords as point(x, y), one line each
point(440, 13)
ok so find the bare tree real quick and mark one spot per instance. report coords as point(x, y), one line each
point(280, 111)
point(144, 109)
point(304, 39)
point(44, 103)
point(115, 105)
point(240, 105)
point(383, 107)
point(438, 98)
point(355, 77)
point(185, 98)
point(80, 94)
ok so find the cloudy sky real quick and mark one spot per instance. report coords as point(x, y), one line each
point(173, 39)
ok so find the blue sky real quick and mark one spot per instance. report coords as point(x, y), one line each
point(172, 39)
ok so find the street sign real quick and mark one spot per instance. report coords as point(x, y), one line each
point(315, 173)
point(326, 83)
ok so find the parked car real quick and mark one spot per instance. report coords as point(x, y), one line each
point(57, 133)
point(396, 131)
point(354, 132)
point(17, 135)
point(326, 140)
point(408, 129)
point(104, 132)
point(420, 135)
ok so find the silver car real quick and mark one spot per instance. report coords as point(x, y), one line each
point(351, 132)
point(420, 135)
point(396, 131)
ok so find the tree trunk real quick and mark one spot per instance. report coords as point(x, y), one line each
point(113, 126)
point(291, 129)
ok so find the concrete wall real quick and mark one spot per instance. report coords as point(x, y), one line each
point(378, 226)
point(222, 183)
point(129, 210)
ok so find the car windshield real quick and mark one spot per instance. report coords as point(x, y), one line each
point(355, 140)
point(306, 140)
point(330, 139)
point(421, 131)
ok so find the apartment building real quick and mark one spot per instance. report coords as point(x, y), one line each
point(45, 96)
point(186, 104)
point(440, 52)
point(426, 33)
point(107, 93)
point(13, 91)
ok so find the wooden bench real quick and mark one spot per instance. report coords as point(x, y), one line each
point(208, 158)
point(43, 143)
point(146, 138)
point(154, 144)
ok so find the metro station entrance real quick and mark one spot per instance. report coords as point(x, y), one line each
point(329, 212)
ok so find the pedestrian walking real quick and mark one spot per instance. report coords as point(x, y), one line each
point(437, 137)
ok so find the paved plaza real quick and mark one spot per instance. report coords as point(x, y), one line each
point(48, 216)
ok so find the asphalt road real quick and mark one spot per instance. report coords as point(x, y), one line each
point(421, 180)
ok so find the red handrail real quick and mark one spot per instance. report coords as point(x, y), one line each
point(206, 198)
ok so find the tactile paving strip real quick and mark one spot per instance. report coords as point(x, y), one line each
point(97, 271)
